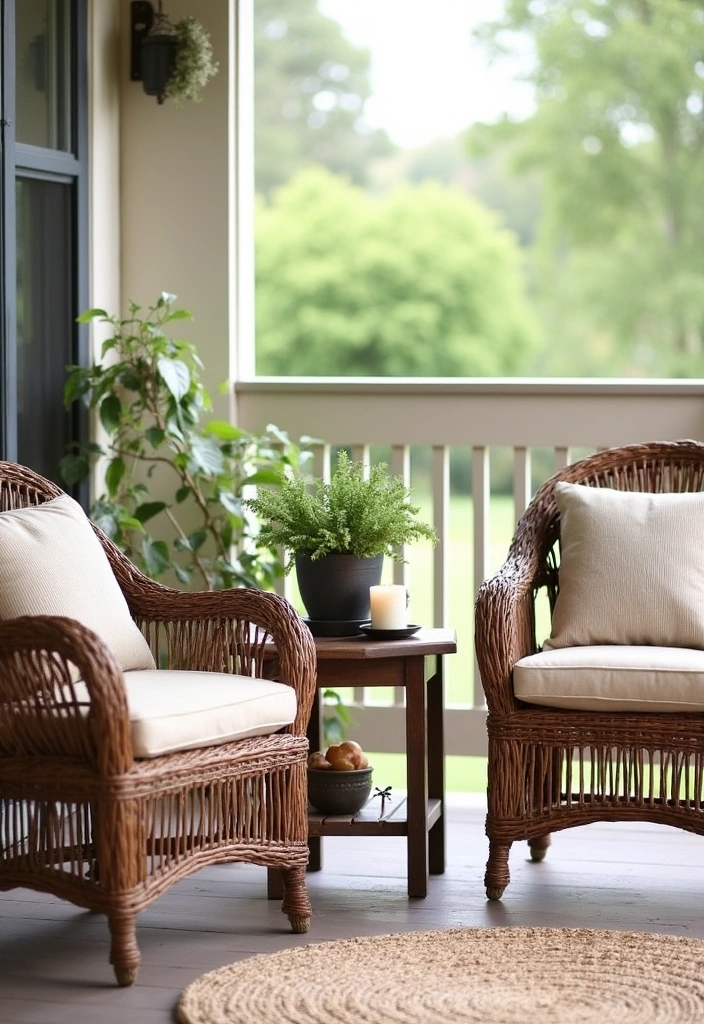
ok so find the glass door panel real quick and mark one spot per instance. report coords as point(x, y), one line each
point(45, 330)
point(44, 60)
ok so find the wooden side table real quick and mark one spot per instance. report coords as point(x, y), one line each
point(415, 665)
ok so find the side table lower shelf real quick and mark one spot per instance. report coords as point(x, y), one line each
point(371, 821)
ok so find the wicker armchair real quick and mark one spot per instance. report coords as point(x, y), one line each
point(553, 768)
point(85, 819)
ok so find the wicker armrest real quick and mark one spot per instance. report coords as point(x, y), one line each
point(43, 711)
point(504, 630)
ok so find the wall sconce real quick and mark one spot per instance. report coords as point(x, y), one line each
point(153, 48)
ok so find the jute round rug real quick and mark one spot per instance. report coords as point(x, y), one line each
point(487, 975)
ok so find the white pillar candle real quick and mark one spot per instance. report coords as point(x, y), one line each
point(388, 606)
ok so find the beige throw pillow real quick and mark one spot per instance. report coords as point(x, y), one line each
point(632, 568)
point(52, 563)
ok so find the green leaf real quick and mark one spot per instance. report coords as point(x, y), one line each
point(231, 503)
point(264, 476)
point(178, 314)
point(90, 314)
point(155, 436)
point(148, 510)
point(182, 493)
point(156, 556)
point(111, 413)
point(197, 539)
point(182, 575)
point(175, 375)
point(223, 430)
point(207, 455)
point(130, 379)
point(114, 474)
point(76, 386)
point(73, 468)
point(130, 523)
point(107, 522)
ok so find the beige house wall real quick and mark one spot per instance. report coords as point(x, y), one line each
point(165, 223)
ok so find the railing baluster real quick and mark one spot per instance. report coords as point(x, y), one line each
point(521, 481)
point(441, 520)
point(480, 498)
point(562, 458)
point(401, 466)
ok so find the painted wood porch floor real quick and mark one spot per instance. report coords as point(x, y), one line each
point(53, 956)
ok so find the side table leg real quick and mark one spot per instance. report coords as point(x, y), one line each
point(436, 762)
point(274, 884)
point(315, 737)
point(416, 758)
point(315, 853)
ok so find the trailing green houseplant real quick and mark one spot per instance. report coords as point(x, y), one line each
point(194, 64)
point(354, 514)
point(176, 60)
point(153, 407)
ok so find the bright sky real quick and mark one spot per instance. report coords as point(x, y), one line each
point(429, 80)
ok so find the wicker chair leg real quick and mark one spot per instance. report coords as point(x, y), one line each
point(539, 847)
point(124, 952)
point(296, 904)
point(497, 874)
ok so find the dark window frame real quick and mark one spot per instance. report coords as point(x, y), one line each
point(19, 160)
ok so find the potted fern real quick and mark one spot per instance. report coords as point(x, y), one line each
point(337, 534)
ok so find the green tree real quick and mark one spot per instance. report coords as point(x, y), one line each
point(419, 282)
point(311, 85)
point(618, 133)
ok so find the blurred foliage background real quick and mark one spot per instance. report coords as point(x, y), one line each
point(566, 243)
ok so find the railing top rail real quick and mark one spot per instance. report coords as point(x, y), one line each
point(471, 385)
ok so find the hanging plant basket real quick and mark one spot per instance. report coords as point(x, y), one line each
point(176, 60)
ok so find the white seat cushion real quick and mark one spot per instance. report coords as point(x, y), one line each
point(631, 569)
point(178, 710)
point(613, 678)
point(52, 563)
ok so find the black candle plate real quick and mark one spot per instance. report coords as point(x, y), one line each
point(388, 634)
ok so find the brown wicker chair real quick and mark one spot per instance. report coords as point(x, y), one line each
point(80, 816)
point(539, 780)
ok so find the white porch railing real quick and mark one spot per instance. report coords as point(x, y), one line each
point(470, 424)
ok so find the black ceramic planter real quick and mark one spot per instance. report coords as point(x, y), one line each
point(336, 587)
point(157, 58)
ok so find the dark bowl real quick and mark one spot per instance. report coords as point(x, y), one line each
point(332, 792)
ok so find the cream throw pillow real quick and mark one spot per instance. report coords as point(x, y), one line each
point(632, 568)
point(52, 563)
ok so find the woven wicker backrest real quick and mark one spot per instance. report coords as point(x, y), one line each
point(656, 467)
point(20, 487)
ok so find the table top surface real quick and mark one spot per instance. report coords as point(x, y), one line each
point(425, 641)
